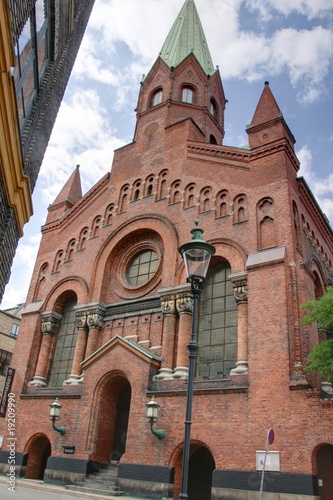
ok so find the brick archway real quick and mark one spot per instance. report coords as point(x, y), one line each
point(201, 467)
point(38, 450)
point(113, 398)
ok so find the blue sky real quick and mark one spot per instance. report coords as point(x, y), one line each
point(289, 43)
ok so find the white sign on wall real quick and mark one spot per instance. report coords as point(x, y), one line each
point(272, 460)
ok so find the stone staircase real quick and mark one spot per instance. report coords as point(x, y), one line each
point(102, 482)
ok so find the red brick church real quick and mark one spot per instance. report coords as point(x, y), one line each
point(108, 315)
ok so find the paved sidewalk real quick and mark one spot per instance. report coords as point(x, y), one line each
point(39, 485)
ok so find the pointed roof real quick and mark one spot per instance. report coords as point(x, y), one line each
point(267, 108)
point(268, 116)
point(186, 36)
point(71, 193)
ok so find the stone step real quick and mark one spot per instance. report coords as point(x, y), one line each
point(100, 480)
point(96, 490)
point(98, 484)
point(104, 473)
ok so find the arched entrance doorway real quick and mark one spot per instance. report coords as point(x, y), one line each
point(120, 435)
point(38, 451)
point(201, 468)
point(324, 471)
point(112, 407)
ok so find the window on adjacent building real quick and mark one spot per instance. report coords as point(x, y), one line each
point(142, 268)
point(217, 337)
point(31, 58)
point(5, 359)
point(65, 347)
point(14, 330)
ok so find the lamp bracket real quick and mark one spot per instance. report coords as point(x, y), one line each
point(159, 433)
point(61, 429)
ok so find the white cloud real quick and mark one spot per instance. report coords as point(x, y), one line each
point(135, 23)
point(304, 51)
point(89, 65)
point(82, 135)
point(309, 8)
point(306, 55)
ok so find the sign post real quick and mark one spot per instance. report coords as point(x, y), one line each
point(269, 440)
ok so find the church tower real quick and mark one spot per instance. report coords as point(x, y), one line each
point(183, 83)
point(108, 316)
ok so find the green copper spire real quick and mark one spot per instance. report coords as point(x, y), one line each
point(186, 36)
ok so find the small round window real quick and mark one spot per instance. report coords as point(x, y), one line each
point(142, 268)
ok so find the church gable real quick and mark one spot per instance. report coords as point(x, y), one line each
point(123, 349)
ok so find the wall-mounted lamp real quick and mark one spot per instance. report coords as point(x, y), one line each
point(55, 408)
point(152, 414)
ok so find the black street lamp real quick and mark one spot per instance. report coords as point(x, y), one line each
point(196, 254)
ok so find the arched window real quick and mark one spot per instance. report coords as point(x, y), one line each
point(41, 281)
point(189, 198)
point(240, 209)
point(175, 193)
point(149, 187)
point(188, 94)
point(156, 97)
point(217, 336)
point(84, 235)
point(136, 193)
point(212, 139)
point(162, 185)
point(65, 346)
point(96, 226)
point(71, 247)
point(318, 287)
point(266, 226)
point(221, 204)
point(213, 109)
point(58, 261)
point(297, 227)
point(109, 213)
point(205, 199)
point(123, 198)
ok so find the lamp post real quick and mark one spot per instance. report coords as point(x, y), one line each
point(196, 254)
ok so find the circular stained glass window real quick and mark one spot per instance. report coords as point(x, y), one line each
point(142, 267)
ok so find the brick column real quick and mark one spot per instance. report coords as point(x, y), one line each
point(50, 326)
point(168, 306)
point(239, 283)
point(80, 348)
point(184, 304)
point(95, 322)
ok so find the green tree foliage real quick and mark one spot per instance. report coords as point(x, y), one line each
point(321, 357)
point(320, 310)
